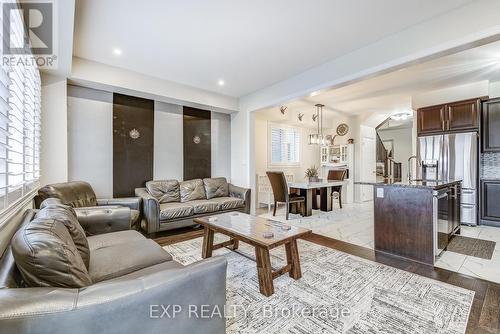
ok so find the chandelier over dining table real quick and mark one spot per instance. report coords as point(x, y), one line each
point(318, 138)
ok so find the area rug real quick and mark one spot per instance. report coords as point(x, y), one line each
point(472, 247)
point(338, 293)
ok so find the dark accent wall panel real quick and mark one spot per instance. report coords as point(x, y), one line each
point(197, 143)
point(133, 136)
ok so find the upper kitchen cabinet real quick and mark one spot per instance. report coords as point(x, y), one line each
point(491, 126)
point(431, 120)
point(463, 115)
point(451, 117)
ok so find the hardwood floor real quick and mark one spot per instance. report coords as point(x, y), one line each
point(485, 313)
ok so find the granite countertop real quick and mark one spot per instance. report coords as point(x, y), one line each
point(413, 184)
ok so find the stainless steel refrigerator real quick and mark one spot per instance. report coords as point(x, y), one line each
point(453, 156)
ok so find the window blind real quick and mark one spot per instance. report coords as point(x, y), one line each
point(20, 124)
point(285, 145)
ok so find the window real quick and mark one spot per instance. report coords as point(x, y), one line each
point(284, 145)
point(20, 117)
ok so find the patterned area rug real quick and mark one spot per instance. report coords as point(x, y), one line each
point(338, 293)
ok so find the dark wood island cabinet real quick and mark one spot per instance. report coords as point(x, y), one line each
point(415, 220)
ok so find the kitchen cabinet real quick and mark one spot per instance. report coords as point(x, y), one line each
point(335, 154)
point(463, 115)
point(491, 126)
point(490, 193)
point(431, 120)
point(451, 117)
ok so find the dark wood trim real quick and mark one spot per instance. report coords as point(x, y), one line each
point(132, 157)
point(197, 155)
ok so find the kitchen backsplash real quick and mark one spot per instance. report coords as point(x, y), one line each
point(490, 166)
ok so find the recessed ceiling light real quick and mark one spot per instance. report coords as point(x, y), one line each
point(221, 82)
point(401, 116)
point(117, 52)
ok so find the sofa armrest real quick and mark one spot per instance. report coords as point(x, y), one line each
point(133, 203)
point(243, 193)
point(103, 219)
point(121, 305)
point(150, 210)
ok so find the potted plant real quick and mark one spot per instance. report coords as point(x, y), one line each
point(312, 174)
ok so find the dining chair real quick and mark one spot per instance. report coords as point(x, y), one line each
point(337, 175)
point(281, 194)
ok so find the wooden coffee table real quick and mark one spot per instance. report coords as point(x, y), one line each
point(249, 229)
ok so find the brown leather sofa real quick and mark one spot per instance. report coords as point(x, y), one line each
point(89, 208)
point(170, 204)
point(54, 279)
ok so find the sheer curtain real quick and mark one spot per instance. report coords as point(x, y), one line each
point(20, 126)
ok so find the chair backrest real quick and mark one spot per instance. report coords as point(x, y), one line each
point(278, 183)
point(75, 193)
point(337, 175)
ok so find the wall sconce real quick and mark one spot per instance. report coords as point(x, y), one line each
point(300, 116)
point(283, 109)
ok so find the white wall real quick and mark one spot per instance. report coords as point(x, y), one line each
point(450, 94)
point(168, 149)
point(241, 152)
point(494, 89)
point(309, 154)
point(90, 137)
point(221, 144)
point(114, 79)
point(90, 134)
point(403, 146)
point(54, 136)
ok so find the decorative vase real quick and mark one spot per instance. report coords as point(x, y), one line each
point(313, 179)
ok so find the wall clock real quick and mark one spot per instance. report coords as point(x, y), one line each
point(342, 129)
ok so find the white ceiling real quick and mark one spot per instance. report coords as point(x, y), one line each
point(393, 92)
point(248, 44)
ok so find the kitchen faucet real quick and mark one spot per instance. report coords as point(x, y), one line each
point(419, 164)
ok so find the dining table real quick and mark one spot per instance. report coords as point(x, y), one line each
point(325, 191)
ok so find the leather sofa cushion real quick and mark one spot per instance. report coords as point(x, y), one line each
point(47, 256)
point(76, 193)
point(229, 203)
point(112, 239)
point(67, 216)
point(164, 191)
point(191, 190)
point(216, 187)
point(121, 259)
point(204, 206)
point(169, 265)
point(175, 210)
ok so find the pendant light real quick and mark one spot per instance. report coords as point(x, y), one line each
point(317, 138)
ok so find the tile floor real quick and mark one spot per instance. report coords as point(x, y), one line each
point(354, 224)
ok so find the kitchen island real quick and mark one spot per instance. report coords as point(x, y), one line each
point(416, 219)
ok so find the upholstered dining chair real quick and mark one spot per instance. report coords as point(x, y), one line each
point(281, 194)
point(337, 175)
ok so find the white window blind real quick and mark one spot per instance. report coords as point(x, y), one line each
point(20, 116)
point(284, 145)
